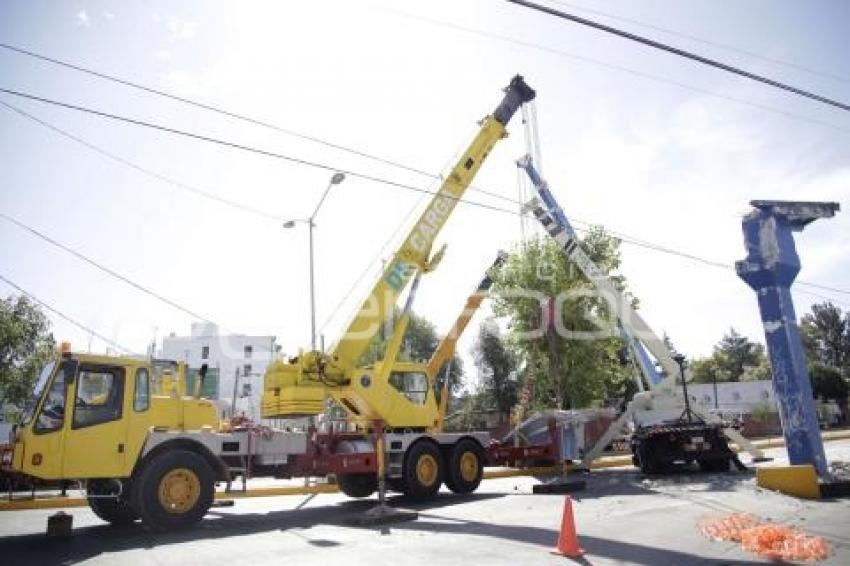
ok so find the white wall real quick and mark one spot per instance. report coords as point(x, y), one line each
point(226, 353)
point(734, 396)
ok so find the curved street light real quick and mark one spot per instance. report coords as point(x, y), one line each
point(336, 179)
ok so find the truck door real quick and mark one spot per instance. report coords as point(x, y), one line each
point(42, 455)
point(95, 441)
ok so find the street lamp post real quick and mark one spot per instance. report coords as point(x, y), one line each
point(336, 179)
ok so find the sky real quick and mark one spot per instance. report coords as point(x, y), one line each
point(645, 143)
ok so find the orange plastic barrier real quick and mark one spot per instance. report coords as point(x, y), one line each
point(768, 540)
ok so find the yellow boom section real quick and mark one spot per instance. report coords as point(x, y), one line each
point(299, 387)
point(447, 346)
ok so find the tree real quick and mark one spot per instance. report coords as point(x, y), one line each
point(497, 366)
point(25, 346)
point(578, 369)
point(827, 382)
point(826, 336)
point(420, 341)
point(735, 358)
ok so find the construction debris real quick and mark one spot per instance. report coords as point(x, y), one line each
point(768, 540)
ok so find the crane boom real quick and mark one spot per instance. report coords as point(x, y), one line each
point(300, 385)
point(414, 253)
point(639, 336)
point(446, 348)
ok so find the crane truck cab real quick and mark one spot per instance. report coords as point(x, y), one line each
point(89, 415)
point(90, 418)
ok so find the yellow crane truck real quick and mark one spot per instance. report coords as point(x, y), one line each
point(148, 450)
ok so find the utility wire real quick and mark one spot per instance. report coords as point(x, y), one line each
point(621, 68)
point(704, 41)
point(231, 114)
point(323, 166)
point(233, 145)
point(103, 268)
point(66, 317)
point(681, 53)
point(139, 168)
point(239, 146)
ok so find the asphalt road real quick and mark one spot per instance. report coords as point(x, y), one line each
point(622, 518)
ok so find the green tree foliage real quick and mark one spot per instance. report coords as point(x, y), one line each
point(582, 368)
point(826, 336)
point(735, 358)
point(827, 382)
point(420, 341)
point(25, 345)
point(497, 365)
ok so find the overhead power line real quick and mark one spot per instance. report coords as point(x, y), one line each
point(705, 41)
point(143, 170)
point(103, 268)
point(621, 68)
point(231, 114)
point(242, 147)
point(65, 316)
point(681, 53)
point(235, 145)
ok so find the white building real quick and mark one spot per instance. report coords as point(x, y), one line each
point(734, 396)
point(236, 363)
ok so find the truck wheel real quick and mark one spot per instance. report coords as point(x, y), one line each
point(357, 485)
point(423, 471)
point(649, 461)
point(714, 465)
point(175, 490)
point(465, 467)
point(111, 509)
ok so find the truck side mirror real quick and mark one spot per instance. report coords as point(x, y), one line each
point(202, 374)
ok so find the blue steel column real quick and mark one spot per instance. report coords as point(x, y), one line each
point(770, 268)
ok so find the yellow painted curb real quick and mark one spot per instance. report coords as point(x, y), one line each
point(43, 503)
point(799, 480)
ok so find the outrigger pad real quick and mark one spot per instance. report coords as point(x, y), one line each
point(381, 515)
point(60, 525)
point(559, 486)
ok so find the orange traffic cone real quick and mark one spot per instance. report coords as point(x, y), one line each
point(567, 540)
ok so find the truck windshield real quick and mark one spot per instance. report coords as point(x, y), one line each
point(43, 378)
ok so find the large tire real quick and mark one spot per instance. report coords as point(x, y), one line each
point(422, 471)
point(714, 465)
point(114, 510)
point(174, 490)
point(465, 467)
point(647, 456)
point(357, 485)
